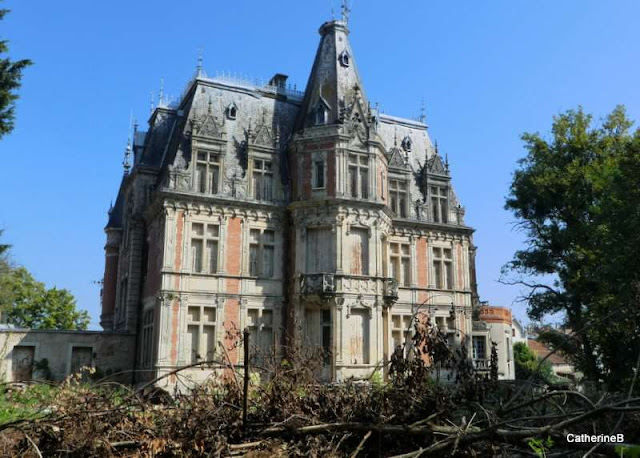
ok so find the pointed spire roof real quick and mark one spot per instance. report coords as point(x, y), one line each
point(334, 83)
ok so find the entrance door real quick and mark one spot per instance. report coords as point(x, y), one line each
point(22, 363)
point(81, 357)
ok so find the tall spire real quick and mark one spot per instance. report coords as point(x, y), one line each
point(199, 70)
point(334, 85)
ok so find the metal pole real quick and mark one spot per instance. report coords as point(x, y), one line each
point(245, 404)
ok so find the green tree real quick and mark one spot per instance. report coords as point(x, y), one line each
point(527, 364)
point(27, 303)
point(10, 76)
point(576, 196)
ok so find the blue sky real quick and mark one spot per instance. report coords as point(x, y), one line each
point(487, 71)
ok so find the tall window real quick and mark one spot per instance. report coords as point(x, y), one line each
point(124, 294)
point(262, 180)
point(207, 172)
point(260, 324)
point(318, 173)
point(439, 207)
point(479, 347)
point(326, 335)
point(204, 247)
point(358, 176)
point(201, 331)
point(320, 115)
point(398, 197)
point(400, 261)
point(359, 241)
point(319, 250)
point(359, 336)
point(401, 332)
point(443, 267)
point(147, 338)
point(261, 253)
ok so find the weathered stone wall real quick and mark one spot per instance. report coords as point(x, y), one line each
point(111, 352)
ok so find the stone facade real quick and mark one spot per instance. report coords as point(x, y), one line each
point(307, 217)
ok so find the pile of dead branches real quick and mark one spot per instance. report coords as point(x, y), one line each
point(290, 414)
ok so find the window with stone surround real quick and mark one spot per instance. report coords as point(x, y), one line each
point(439, 206)
point(201, 333)
point(207, 172)
point(261, 253)
point(358, 179)
point(204, 247)
point(401, 332)
point(443, 267)
point(260, 325)
point(262, 179)
point(318, 329)
point(359, 254)
point(398, 197)
point(479, 347)
point(147, 338)
point(400, 262)
point(318, 174)
point(320, 258)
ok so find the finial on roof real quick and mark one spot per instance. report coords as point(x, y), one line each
point(395, 136)
point(446, 162)
point(126, 162)
point(436, 146)
point(345, 11)
point(199, 67)
point(422, 116)
point(209, 107)
point(161, 94)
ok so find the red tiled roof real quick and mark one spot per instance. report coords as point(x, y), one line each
point(542, 350)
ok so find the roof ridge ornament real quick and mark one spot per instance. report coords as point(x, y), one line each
point(345, 11)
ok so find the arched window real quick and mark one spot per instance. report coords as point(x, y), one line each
point(232, 111)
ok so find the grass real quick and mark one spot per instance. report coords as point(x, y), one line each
point(25, 404)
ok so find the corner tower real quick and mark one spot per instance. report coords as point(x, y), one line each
point(340, 220)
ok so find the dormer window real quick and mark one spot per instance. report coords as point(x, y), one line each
point(406, 143)
point(321, 113)
point(232, 111)
point(345, 59)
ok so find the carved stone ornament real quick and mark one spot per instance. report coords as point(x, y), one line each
point(208, 126)
point(396, 158)
point(359, 303)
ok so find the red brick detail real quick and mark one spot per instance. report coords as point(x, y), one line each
point(232, 326)
point(460, 263)
point(306, 177)
point(175, 331)
point(110, 280)
point(317, 146)
point(421, 254)
point(179, 241)
point(495, 315)
point(234, 246)
point(154, 260)
point(331, 174)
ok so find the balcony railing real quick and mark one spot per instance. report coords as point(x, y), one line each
point(482, 364)
point(323, 284)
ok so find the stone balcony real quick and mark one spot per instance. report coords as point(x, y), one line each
point(482, 365)
point(330, 284)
